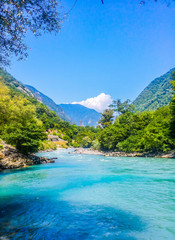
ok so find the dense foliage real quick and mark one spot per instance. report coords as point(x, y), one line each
point(25, 123)
point(157, 94)
point(121, 108)
point(139, 132)
point(18, 123)
point(106, 118)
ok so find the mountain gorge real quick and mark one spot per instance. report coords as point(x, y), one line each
point(157, 94)
point(26, 123)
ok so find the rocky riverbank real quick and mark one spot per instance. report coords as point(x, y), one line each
point(90, 151)
point(10, 158)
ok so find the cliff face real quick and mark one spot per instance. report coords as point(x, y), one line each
point(10, 158)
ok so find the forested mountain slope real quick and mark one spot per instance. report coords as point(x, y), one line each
point(29, 91)
point(67, 112)
point(25, 122)
point(157, 94)
point(12, 83)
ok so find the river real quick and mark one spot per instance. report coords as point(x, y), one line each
point(89, 197)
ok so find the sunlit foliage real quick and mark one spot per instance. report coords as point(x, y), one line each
point(18, 123)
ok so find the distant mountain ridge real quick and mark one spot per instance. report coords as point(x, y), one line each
point(29, 91)
point(157, 94)
point(49, 103)
point(74, 113)
point(81, 115)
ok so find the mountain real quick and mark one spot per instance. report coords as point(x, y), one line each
point(81, 115)
point(29, 91)
point(49, 103)
point(13, 84)
point(157, 94)
point(73, 113)
point(77, 112)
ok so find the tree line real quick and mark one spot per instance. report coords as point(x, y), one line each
point(134, 131)
point(25, 124)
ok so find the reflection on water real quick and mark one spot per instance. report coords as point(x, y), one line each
point(89, 197)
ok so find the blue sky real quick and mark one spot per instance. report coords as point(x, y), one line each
point(116, 48)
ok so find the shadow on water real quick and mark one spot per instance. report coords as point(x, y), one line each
point(19, 170)
point(42, 218)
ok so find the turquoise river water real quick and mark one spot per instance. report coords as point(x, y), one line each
point(89, 197)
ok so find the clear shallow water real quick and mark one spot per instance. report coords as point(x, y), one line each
point(89, 197)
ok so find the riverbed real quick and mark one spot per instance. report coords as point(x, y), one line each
point(89, 197)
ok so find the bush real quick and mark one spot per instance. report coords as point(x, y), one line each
point(45, 145)
point(95, 144)
point(86, 142)
point(25, 138)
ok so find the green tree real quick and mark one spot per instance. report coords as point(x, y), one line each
point(106, 118)
point(111, 136)
point(122, 108)
point(18, 123)
point(86, 142)
point(26, 138)
point(19, 16)
point(150, 135)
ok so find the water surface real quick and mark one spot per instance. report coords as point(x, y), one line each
point(89, 197)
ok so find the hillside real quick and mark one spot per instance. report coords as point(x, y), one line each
point(49, 103)
point(28, 91)
point(67, 112)
point(157, 94)
point(81, 115)
point(26, 123)
point(13, 84)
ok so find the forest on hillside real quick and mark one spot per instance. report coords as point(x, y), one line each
point(157, 94)
point(25, 123)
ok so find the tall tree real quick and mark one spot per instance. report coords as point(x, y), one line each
point(106, 118)
point(18, 123)
point(19, 16)
point(122, 108)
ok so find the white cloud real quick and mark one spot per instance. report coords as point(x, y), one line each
point(99, 103)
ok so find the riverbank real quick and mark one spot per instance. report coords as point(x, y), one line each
point(10, 158)
point(89, 151)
